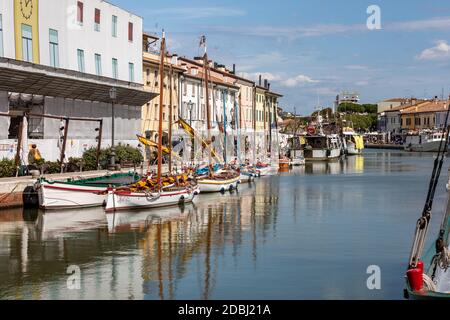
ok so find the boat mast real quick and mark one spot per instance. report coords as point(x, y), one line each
point(224, 97)
point(208, 115)
point(161, 101)
point(254, 124)
point(170, 117)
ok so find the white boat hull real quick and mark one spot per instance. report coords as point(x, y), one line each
point(324, 155)
point(431, 146)
point(351, 149)
point(123, 200)
point(58, 195)
point(267, 171)
point(211, 185)
point(247, 178)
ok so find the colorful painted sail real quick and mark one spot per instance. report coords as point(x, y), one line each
point(151, 143)
point(189, 130)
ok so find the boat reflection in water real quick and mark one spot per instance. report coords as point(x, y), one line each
point(128, 255)
point(347, 165)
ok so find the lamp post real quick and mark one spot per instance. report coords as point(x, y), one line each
point(113, 97)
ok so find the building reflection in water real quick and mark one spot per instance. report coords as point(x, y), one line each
point(130, 255)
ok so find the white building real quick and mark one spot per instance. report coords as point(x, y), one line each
point(90, 36)
point(61, 58)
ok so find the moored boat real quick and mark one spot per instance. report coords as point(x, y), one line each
point(121, 199)
point(354, 143)
point(221, 181)
point(428, 276)
point(322, 148)
point(79, 193)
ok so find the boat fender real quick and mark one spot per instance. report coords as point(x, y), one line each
point(222, 190)
point(181, 199)
point(231, 187)
point(415, 279)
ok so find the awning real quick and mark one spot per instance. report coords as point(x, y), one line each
point(25, 77)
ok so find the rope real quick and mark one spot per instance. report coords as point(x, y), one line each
point(428, 283)
point(5, 196)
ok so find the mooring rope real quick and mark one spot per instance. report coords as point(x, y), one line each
point(5, 196)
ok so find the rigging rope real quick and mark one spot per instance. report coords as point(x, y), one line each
point(424, 220)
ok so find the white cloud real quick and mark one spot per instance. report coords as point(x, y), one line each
point(298, 80)
point(265, 75)
point(418, 25)
point(198, 12)
point(439, 51)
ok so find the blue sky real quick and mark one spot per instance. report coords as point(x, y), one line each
point(313, 50)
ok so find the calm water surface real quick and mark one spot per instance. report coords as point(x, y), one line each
point(307, 234)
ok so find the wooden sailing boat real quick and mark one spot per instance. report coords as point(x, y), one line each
point(160, 191)
point(428, 277)
point(224, 179)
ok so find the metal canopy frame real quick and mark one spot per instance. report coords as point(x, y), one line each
point(29, 78)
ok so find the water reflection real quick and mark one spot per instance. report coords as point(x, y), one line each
point(274, 239)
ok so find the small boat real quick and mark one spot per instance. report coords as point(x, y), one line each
point(298, 161)
point(221, 181)
point(353, 143)
point(246, 177)
point(79, 193)
point(121, 199)
point(428, 276)
point(284, 164)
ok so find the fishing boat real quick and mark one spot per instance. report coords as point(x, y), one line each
point(156, 192)
point(428, 276)
point(322, 148)
point(78, 192)
point(353, 143)
point(424, 142)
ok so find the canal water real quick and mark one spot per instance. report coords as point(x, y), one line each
point(307, 234)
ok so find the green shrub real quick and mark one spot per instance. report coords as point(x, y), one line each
point(50, 167)
point(7, 168)
point(123, 154)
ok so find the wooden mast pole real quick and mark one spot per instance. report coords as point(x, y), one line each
point(208, 115)
point(161, 102)
point(170, 117)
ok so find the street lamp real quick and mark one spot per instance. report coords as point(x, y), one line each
point(113, 97)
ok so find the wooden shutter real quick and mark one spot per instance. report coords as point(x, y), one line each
point(130, 31)
point(80, 11)
point(97, 16)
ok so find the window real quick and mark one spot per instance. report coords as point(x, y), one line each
point(80, 12)
point(193, 90)
point(114, 26)
point(184, 88)
point(97, 20)
point(130, 31)
point(131, 71)
point(1, 37)
point(27, 43)
point(98, 64)
point(54, 51)
point(115, 68)
point(80, 55)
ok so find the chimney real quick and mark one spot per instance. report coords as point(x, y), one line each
point(174, 59)
point(260, 80)
point(234, 69)
point(265, 83)
point(268, 86)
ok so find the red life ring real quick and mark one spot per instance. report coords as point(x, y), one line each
point(311, 130)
